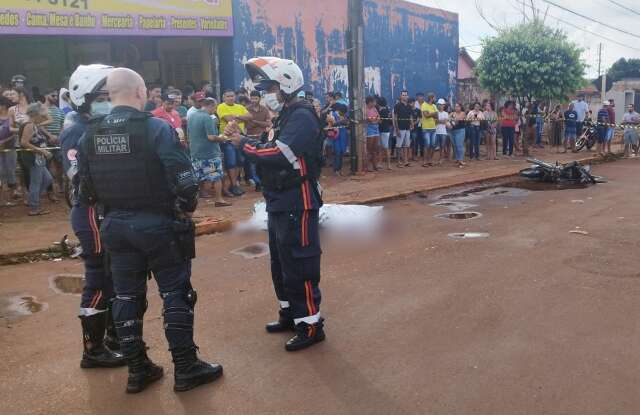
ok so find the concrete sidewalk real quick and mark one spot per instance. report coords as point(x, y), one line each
point(21, 234)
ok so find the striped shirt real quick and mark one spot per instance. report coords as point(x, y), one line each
point(57, 119)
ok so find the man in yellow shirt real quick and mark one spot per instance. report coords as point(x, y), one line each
point(230, 112)
point(429, 115)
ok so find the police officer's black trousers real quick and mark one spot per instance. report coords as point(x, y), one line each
point(294, 243)
point(139, 242)
point(98, 288)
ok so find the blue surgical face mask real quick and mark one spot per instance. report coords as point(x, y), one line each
point(100, 108)
point(272, 102)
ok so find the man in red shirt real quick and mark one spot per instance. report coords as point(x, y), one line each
point(167, 111)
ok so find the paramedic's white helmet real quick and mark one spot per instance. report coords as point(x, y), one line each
point(264, 71)
point(86, 80)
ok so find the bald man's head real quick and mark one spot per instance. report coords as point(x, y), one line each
point(126, 87)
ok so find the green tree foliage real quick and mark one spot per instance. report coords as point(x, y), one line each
point(530, 60)
point(624, 68)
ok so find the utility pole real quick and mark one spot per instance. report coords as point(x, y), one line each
point(355, 62)
point(603, 73)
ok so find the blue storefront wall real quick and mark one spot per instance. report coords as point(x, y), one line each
point(406, 45)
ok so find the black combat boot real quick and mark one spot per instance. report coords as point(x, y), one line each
point(306, 335)
point(284, 323)
point(95, 353)
point(142, 372)
point(190, 371)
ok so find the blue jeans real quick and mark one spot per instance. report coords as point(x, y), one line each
point(250, 171)
point(39, 180)
point(338, 155)
point(457, 136)
point(230, 156)
point(610, 133)
point(539, 129)
point(139, 242)
point(474, 141)
point(430, 139)
point(508, 137)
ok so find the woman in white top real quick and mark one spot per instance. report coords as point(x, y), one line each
point(442, 135)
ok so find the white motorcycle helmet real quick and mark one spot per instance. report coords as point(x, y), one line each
point(87, 80)
point(264, 71)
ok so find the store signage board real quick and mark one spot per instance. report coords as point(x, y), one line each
point(117, 17)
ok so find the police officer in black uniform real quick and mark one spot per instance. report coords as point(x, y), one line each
point(135, 167)
point(289, 167)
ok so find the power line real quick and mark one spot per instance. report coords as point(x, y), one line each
point(585, 30)
point(591, 19)
point(624, 7)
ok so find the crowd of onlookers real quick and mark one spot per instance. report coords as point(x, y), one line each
point(422, 129)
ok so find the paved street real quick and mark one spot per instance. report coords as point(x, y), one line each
point(40, 232)
point(531, 320)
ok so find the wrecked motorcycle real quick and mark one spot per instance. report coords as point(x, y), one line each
point(588, 138)
point(572, 172)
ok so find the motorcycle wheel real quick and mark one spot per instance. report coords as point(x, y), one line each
point(580, 143)
point(531, 173)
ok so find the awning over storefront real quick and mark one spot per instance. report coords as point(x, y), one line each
point(117, 17)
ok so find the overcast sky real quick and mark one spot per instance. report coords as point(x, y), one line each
point(506, 12)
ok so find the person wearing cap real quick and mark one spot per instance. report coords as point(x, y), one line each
point(167, 112)
point(442, 125)
point(18, 81)
point(289, 167)
point(195, 99)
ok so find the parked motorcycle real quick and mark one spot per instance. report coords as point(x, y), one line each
point(588, 137)
point(572, 172)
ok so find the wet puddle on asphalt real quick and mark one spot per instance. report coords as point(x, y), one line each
point(253, 251)
point(13, 306)
point(67, 283)
point(461, 204)
point(469, 235)
point(459, 215)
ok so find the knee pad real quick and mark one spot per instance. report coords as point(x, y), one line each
point(178, 309)
point(128, 312)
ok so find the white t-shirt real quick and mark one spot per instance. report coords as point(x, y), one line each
point(581, 108)
point(442, 128)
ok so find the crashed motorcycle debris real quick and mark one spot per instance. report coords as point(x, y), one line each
point(573, 172)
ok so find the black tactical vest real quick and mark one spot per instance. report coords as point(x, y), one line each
point(126, 173)
point(282, 179)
